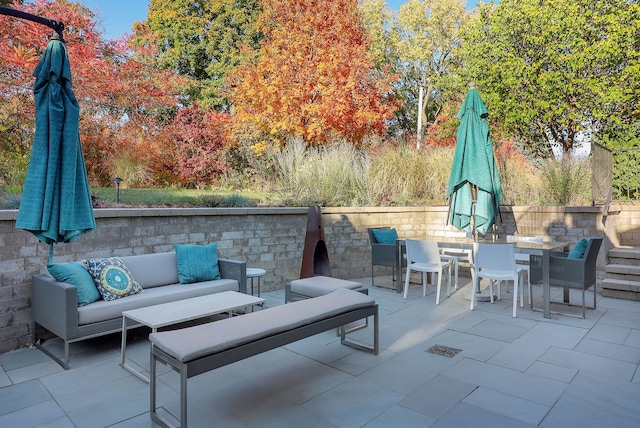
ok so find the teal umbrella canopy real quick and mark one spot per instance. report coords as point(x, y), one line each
point(474, 191)
point(56, 200)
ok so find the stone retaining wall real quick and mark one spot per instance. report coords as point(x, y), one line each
point(268, 238)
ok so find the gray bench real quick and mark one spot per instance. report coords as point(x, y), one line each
point(199, 349)
point(315, 286)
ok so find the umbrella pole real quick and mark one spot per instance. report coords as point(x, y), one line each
point(57, 26)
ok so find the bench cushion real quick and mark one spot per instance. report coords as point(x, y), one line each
point(103, 310)
point(320, 285)
point(195, 342)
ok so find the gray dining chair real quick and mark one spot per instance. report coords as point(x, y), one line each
point(383, 254)
point(571, 273)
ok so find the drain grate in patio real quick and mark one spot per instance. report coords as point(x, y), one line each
point(444, 351)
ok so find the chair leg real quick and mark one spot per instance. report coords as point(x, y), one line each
point(516, 280)
point(406, 283)
point(474, 290)
point(528, 271)
point(424, 284)
point(449, 280)
point(372, 284)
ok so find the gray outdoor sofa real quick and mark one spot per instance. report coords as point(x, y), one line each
point(195, 350)
point(54, 304)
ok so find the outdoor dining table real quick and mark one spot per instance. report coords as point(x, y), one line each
point(533, 248)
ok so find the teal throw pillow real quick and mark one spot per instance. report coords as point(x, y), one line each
point(197, 263)
point(112, 278)
point(578, 250)
point(75, 274)
point(385, 236)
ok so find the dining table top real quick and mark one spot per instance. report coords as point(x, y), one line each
point(467, 243)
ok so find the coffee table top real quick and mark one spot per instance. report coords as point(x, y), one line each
point(190, 309)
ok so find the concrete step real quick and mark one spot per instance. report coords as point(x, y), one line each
point(623, 269)
point(622, 274)
point(632, 253)
point(621, 289)
point(621, 284)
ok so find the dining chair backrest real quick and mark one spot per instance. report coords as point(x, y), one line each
point(422, 251)
point(494, 257)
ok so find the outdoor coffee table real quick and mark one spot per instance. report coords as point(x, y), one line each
point(173, 313)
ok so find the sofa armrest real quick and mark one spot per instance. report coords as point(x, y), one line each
point(54, 306)
point(234, 269)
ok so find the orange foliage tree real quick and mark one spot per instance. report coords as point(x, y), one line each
point(313, 77)
point(123, 99)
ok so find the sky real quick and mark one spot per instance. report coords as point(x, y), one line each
point(117, 16)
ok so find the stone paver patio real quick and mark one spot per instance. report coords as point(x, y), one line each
point(510, 372)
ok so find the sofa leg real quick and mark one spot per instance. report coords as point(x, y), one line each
point(64, 362)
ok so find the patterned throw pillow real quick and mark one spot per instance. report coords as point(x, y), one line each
point(112, 278)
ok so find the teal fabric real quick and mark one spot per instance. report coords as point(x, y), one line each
point(577, 252)
point(385, 236)
point(112, 278)
point(474, 175)
point(75, 274)
point(197, 263)
point(56, 201)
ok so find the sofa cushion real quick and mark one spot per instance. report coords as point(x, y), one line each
point(197, 263)
point(103, 311)
point(112, 278)
point(75, 273)
point(385, 236)
point(153, 270)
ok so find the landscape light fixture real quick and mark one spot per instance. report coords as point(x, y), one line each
point(117, 180)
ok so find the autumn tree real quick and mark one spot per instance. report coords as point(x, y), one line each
point(313, 77)
point(553, 70)
point(122, 98)
point(199, 136)
point(202, 41)
point(419, 43)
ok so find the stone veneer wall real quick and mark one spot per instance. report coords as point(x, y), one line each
point(269, 238)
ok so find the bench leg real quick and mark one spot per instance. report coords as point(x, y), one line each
point(152, 390)
point(183, 396)
point(376, 340)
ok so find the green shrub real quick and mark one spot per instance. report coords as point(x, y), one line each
point(133, 172)
point(401, 175)
point(11, 200)
point(566, 182)
point(332, 175)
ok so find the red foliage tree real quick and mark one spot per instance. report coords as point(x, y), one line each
point(122, 97)
point(200, 138)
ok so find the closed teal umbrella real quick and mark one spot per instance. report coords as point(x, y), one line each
point(56, 201)
point(474, 191)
